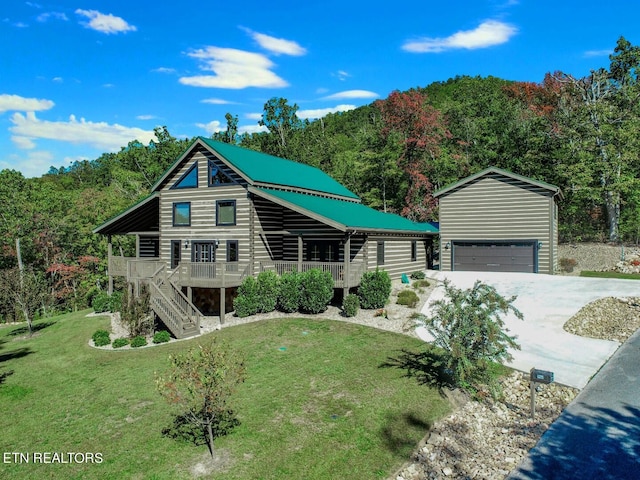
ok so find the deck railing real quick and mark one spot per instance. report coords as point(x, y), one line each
point(337, 270)
point(214, 274)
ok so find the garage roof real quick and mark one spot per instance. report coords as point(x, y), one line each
point(547, 186)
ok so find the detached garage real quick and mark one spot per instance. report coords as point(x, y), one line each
point(498, 221)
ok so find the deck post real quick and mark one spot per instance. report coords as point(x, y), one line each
point(223, 306)
point(300, 251)
point(346, 277)
point(109, 254)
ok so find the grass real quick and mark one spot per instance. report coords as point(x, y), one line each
point(316, 403)
point(620, 275)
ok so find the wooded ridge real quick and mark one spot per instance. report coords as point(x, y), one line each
point(580, 134)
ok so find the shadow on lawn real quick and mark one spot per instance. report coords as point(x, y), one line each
point(396, 432)
point(6, 356)
point(427, 367)
point(35, 328)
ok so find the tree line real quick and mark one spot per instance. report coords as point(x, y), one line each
point(579, 133)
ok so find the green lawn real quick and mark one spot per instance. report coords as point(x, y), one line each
point(623, 276)
point(316, 404)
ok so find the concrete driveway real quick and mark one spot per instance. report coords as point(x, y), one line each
point(547, 302)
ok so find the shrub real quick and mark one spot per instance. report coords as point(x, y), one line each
point(418, 275)
point(420, 284)
point(567, 264)
point(374, 290)
point(246, 302)
point(408, 298)
point(161, 337)
point(138, 341)
point(120, 342)
point(101, 338)
point(136, 312)
point(101, 302)
point(267, 291)
point(289, 292)
point(468, 326)
point(351, 305)
point(317, 290)
point(115, 302)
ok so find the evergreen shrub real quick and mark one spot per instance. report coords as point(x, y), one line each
point(246, 302)
point(267, 291)
point(101, 302)
point(161, 337)
point(138, 341)
point(317, 290)
point(375, 289)
point(408, 298)
point(351, 305)
point(289, 293)
point(101, 338)
point(120, 342)
point(418, 275)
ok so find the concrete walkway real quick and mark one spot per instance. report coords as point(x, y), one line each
point(597, 437)
point(547, 302)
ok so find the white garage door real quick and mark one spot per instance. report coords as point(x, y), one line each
point(495, 256)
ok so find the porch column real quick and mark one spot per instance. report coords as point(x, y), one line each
point(223, 307)
point(109, 254)
point(300, 252)
point(137, 245)
point(347, 263)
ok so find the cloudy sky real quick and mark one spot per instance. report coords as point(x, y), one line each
point(80, 78)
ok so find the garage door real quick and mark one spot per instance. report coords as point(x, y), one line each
point(495, 256)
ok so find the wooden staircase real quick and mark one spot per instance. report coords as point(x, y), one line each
point(172, 306)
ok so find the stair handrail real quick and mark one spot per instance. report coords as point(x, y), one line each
point(171, 314)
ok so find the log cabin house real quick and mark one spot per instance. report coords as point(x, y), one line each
point(221, 213)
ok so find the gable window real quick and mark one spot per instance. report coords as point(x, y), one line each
point(414, 251)
point(226, 212)
point(181, 214)
point(217, 176)
point(203, 251)
point(189, 179)
point(380, 253)
point(175, 253)
point(232, 250)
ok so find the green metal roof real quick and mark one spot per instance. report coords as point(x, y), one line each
point(343, 214)
point(262, 168)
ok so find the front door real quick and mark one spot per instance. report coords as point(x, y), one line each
point(203, 252)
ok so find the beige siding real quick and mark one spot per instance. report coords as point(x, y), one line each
point(397, 256)
point(495, 207)
point(203, 212)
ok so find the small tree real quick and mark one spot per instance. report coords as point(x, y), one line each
point(200, 383)
point(467, 324)
point(135, 312)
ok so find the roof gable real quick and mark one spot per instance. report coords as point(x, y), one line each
point(505, 173)
point(267, 170)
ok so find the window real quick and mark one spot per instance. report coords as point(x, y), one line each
point(181, 214)
point(175, 253)
point(216, 176)
point(189, 179)
point(232, 250)
point(414, 251)
point(380, 253)
point(226, 212)
point(203, 251)
point(322, 250)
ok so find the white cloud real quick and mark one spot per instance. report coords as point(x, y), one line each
point(234, 69)
point(35, 164)
point(23, 143)
point(321, 112)
point(146, 117)
point(217, 101)
point(99, 135)
point(105, 23)
point(164, 70)
point(352, 94)
point(341, 74)
point(22, 104)
point(211, 127)
point(44, 17)
point(252, 129)
point(597, 53)
point(277, 46)
point(253, 116)
point(488, 34)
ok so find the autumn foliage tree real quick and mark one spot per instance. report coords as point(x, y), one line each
point(420, 129)
point(200, 384)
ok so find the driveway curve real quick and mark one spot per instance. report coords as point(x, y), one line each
point(547, 302)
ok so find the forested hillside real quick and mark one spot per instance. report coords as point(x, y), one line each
point(580, 134)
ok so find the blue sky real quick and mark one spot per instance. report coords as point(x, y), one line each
point(80, 78)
